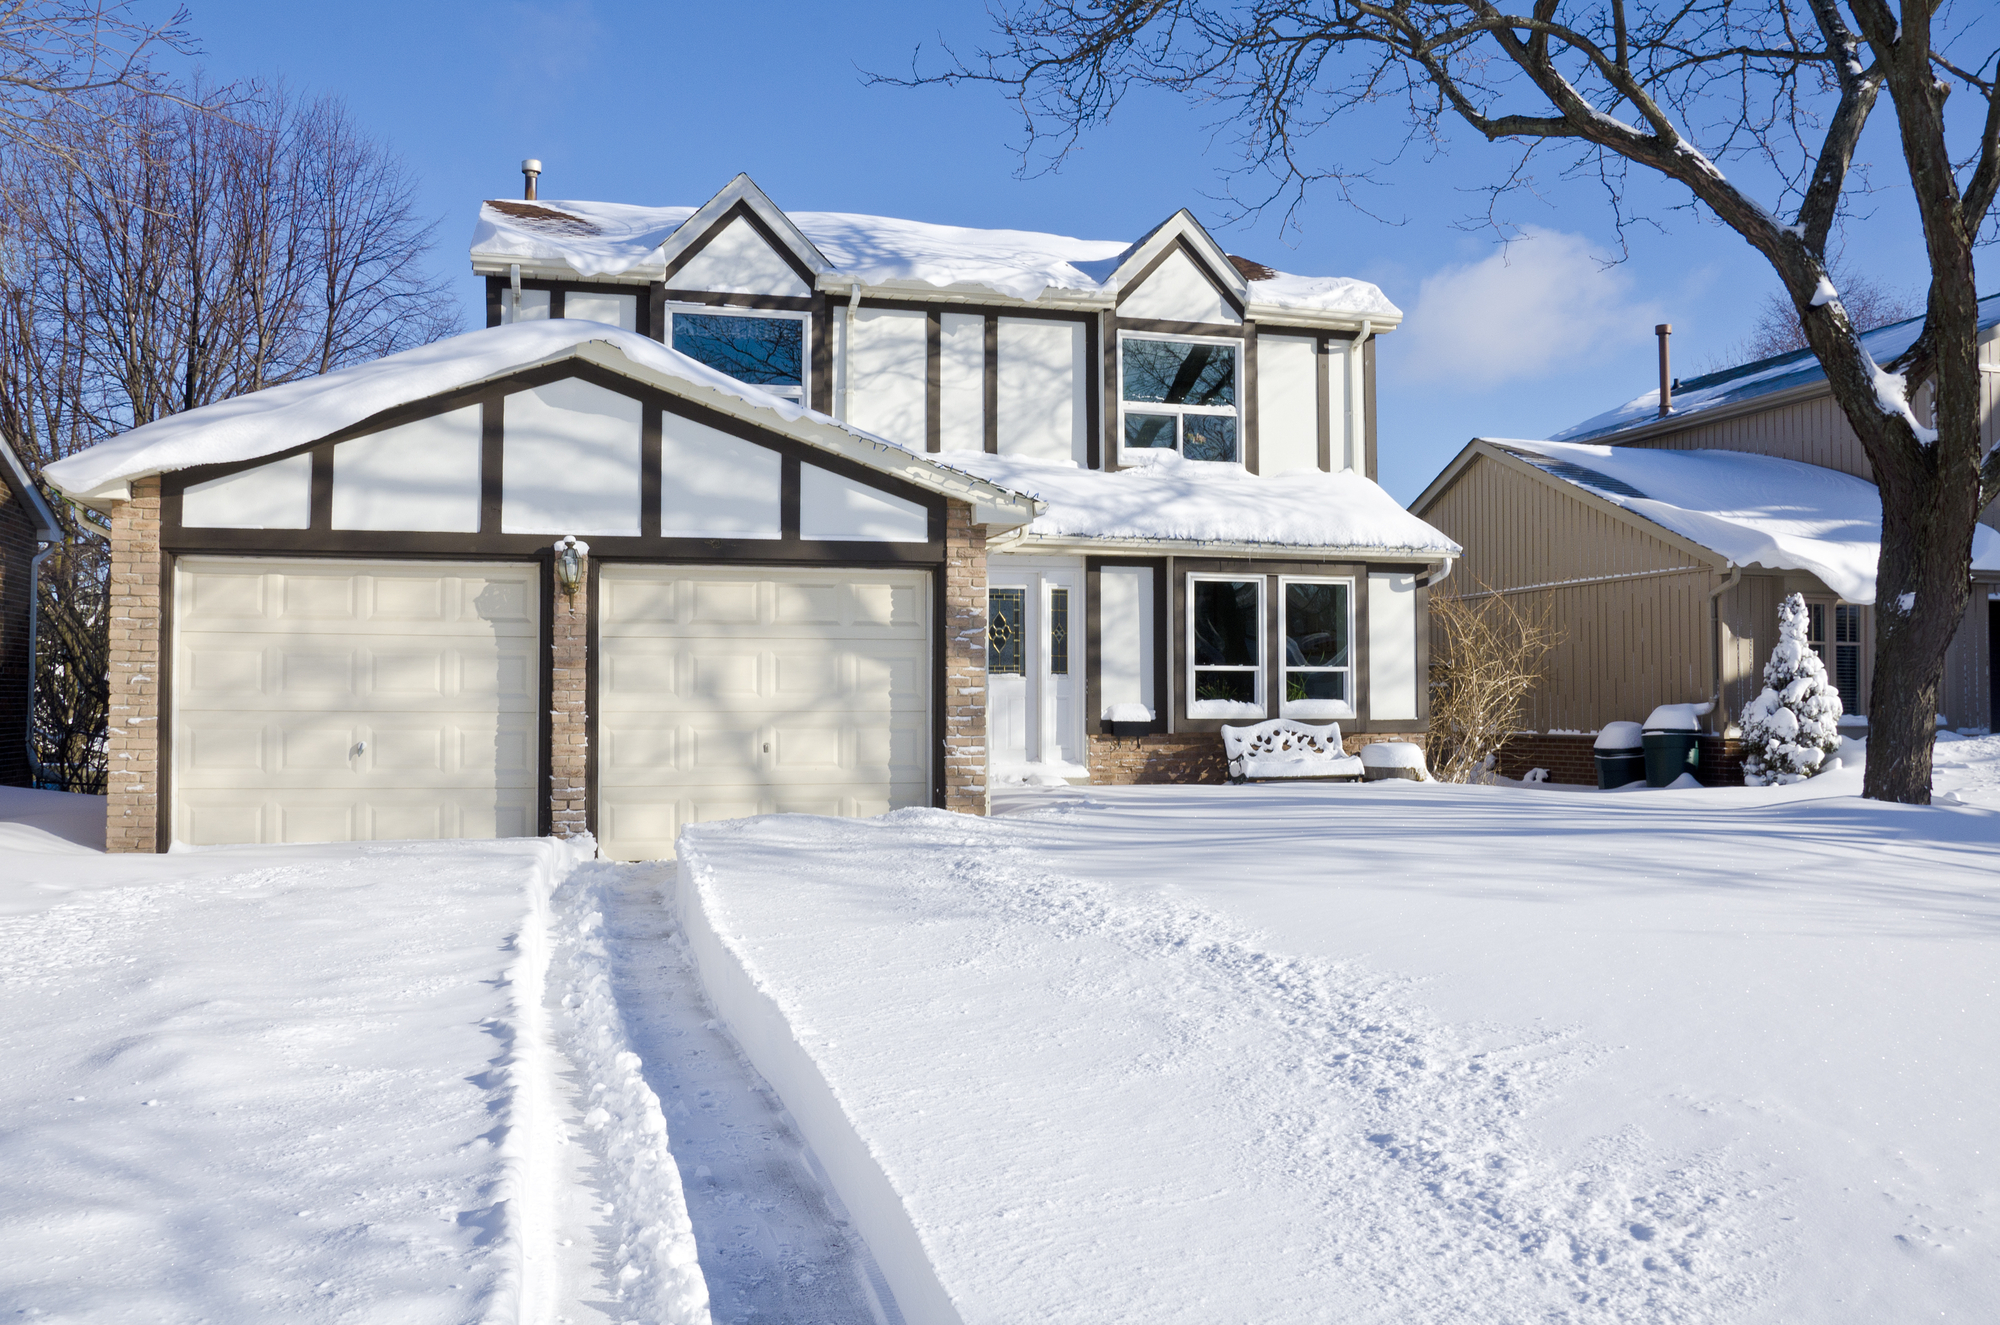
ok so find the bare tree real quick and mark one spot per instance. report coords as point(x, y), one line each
point(1777, 331)
point(162, 257)
point(58, 54)
point(1486, 660)
point(1675, 91)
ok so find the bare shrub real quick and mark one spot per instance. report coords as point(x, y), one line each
point(1486, 658)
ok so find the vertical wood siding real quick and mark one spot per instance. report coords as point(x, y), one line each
point(1627, 644)
point(1813, 431)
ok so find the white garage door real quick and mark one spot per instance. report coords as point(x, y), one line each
point(334, 701)
point(728, 692)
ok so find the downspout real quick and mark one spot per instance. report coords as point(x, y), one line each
point(514, 278)
point(34, 653)
point(1715, 641)
point(847, 347)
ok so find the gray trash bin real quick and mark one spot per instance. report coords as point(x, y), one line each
point(1621, 755)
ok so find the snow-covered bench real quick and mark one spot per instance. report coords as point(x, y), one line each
point(1282, 748)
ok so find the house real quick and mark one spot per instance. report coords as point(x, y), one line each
point(25, 520)
point(730, 510)
point(1661, 546)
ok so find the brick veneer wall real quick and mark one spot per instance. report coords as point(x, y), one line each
point(1574, 758)
point(132, 736)
point(569, 730)
point(18, 527)
point(964, 644)
point(1184, 756)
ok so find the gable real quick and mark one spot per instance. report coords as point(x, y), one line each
point(736, 259)
point(1179, 290)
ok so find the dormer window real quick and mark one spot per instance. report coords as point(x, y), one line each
point(760, 349)
point(1180, 395)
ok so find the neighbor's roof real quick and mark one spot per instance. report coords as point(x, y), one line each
point(1731, 386)
point(279, 418)
point(19, 479)
point(611, 239)
point(1173, 500)
point(1753, 510)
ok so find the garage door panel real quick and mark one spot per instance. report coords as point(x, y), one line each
point(338, 700)
point(799, 691)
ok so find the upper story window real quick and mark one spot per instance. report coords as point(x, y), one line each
point(761, 349)
point(1180, 395)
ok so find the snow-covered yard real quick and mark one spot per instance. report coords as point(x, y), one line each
point(1391, 1052)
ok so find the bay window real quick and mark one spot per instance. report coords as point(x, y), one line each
point(759, 349)
point(1318, 644)
point(1180, 395)
point(1225, 647)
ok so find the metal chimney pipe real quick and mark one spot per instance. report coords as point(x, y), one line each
point(1664, 330)
point(529, 169)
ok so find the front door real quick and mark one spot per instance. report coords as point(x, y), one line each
point(1034, 673)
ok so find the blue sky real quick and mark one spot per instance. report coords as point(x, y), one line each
point(663, 102)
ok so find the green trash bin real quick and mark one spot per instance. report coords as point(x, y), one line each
point(1673, 742)
point(1621, 755)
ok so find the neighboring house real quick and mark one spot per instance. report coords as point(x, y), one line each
point(1660, 548)
point(25, 520)
point(912, 511)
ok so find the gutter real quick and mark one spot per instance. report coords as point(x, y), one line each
point(1185, 547)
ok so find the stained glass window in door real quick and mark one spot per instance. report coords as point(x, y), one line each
point(1058, 632)
point(1006, 627)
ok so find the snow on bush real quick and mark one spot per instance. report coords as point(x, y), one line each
point(1790, 729)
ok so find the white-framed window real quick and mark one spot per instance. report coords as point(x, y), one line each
point(1180, 394)
point(1839, 647)
point(1318, 668)
point(1225, 646)
point(760, 348)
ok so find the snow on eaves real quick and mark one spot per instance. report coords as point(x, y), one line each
point(1754, 510)
point(1761, 378)
point(280, 417)
point(1194, 501)
point(598, 239)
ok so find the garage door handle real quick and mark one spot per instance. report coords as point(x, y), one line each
point(767, 747)
point(360, 748)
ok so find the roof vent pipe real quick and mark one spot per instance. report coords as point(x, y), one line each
point(1664, 330)
point(529, 170)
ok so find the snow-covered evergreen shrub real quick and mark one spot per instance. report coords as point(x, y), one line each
point(1790, 729)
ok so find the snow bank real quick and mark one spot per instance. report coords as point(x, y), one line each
point(276, 1083)
point(610, 239)
point(1753, 509)
point(655, 1269)
point(1206, 502)
point(1423, 1058)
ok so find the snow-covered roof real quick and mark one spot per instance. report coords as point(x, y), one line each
point(1754, 510)
point(1712, 391)
point(598, 239)
point(278, 418)
point(1173, 500)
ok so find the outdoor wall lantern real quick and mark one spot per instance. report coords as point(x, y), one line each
point(570, 552)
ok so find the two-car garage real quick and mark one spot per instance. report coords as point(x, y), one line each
point(332, 700)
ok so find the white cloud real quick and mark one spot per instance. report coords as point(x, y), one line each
point(1543, 304)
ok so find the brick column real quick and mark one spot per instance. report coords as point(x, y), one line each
point(569, 733)
point(964, 644)
point(132, 735)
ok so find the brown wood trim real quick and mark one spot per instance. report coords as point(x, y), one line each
point(741, 207)
point(593, 748)
point(492, 458)
point(1093, 568)
point(1218, 329)
point(1362, 672)
point(1368, 404)
point(788, 499)
point(992, 383)
point(891, 305)
point(545, 581)
point(495, 292)
point(758, 303)
point(1181, 245)
point(939, 684)
point(933, 380)
point(654, 323)
point(1323, 388)
point(1093, 395)
point(319, 501)
point(1110, 390)
point(558, 301)
point(819, 383)
point(163, 750)
point(1246, 408)
point(650, 478)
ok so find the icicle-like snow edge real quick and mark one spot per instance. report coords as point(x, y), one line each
point(524, 1191)
point(655, 1273)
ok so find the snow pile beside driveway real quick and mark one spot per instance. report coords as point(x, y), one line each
point(1395, 1052)
point(275, 1083)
